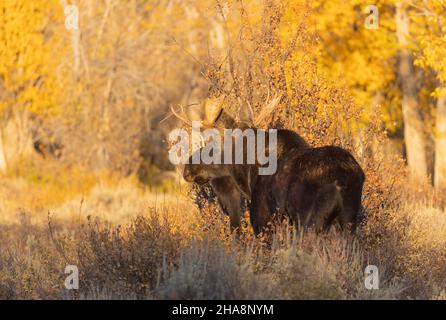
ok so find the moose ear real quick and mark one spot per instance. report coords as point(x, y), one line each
point(213, 108)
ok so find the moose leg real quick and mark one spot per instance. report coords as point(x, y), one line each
point(230, 199)
point(328, 204)
point(260, 210)
point(351, 207)
point(326, 222)
point(259, 214)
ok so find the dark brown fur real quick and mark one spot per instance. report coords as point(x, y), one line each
point(313, 187)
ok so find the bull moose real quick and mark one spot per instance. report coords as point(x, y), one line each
point(313, 186)
point(233, 184)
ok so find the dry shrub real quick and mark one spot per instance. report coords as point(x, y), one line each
point(206, 270)
point(123, 261)
point(213, 221)
point(170, 252)
point(310, 266)
point(29, 269)
point(295, 267)
point(426, 260)
point(415, 253)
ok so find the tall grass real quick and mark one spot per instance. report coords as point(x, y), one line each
point(129, 243)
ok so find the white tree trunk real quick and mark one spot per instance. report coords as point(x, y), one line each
point(440, 144)
point(414, 134)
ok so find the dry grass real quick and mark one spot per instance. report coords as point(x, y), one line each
point(130, 243)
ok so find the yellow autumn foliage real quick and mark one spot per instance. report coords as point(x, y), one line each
point(26, 66)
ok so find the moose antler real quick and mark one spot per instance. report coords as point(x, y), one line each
point(267, 109)
point(187, 122)
point(212, 110)
point(175, 113)
point(178, 116)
